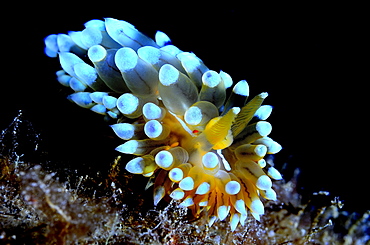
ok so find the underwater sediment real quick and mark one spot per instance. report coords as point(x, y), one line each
point(44, 203)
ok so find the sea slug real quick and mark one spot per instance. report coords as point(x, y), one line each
point(197, 143)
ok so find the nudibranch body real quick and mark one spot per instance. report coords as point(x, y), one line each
point(197, 144)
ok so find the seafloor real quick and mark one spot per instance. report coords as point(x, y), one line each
point(45, 201)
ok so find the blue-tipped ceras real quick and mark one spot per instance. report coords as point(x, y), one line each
point(201, 147)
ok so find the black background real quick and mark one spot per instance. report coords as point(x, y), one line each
point(309, 58)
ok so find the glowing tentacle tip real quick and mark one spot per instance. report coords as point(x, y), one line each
point(96, 53)
point(187, 202)
point(77, 85)
point(109, 102)
point(203, 188)
point(241, 88)
point(261, 150)
point(226, 78)
point(100, 109)
point(234, 220)
point(262, 163)
point(232, 187)
point(257, 206)
point(274, 148)
point(264, 182)
point(223, 211)
point(136, 165)
point(63, 78)
point(97, 97)
point(263, 112)
point(124, 130)
point(126, 59)
point(203, 203)
point(151, 111)
point(128, 147)
point(82, 99)
point(201, 113)
point(91, 36)
point(264, 128)
point(128, 104)
point(159, 193)
point(162, 39)
point(68, 61)
point(153, 129)
point(176, 174)
point(243, 218)
point(177, 194)
point(193, 116)
point(274, 173)
point(270, 194)
point(51, 46)
point(168, 75)
point(164, 159)
point(240, 206)
point(187, 184)
point(211, 79)
point(210, 160)
point(64, 42)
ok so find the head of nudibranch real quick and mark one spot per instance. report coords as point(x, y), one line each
point(197, 144)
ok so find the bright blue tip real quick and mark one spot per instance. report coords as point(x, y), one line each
point(162, 39)
point(82, 99)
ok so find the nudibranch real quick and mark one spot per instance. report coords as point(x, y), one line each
point(198, 144)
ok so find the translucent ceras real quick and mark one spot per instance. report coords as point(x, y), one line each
point(199, 145)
